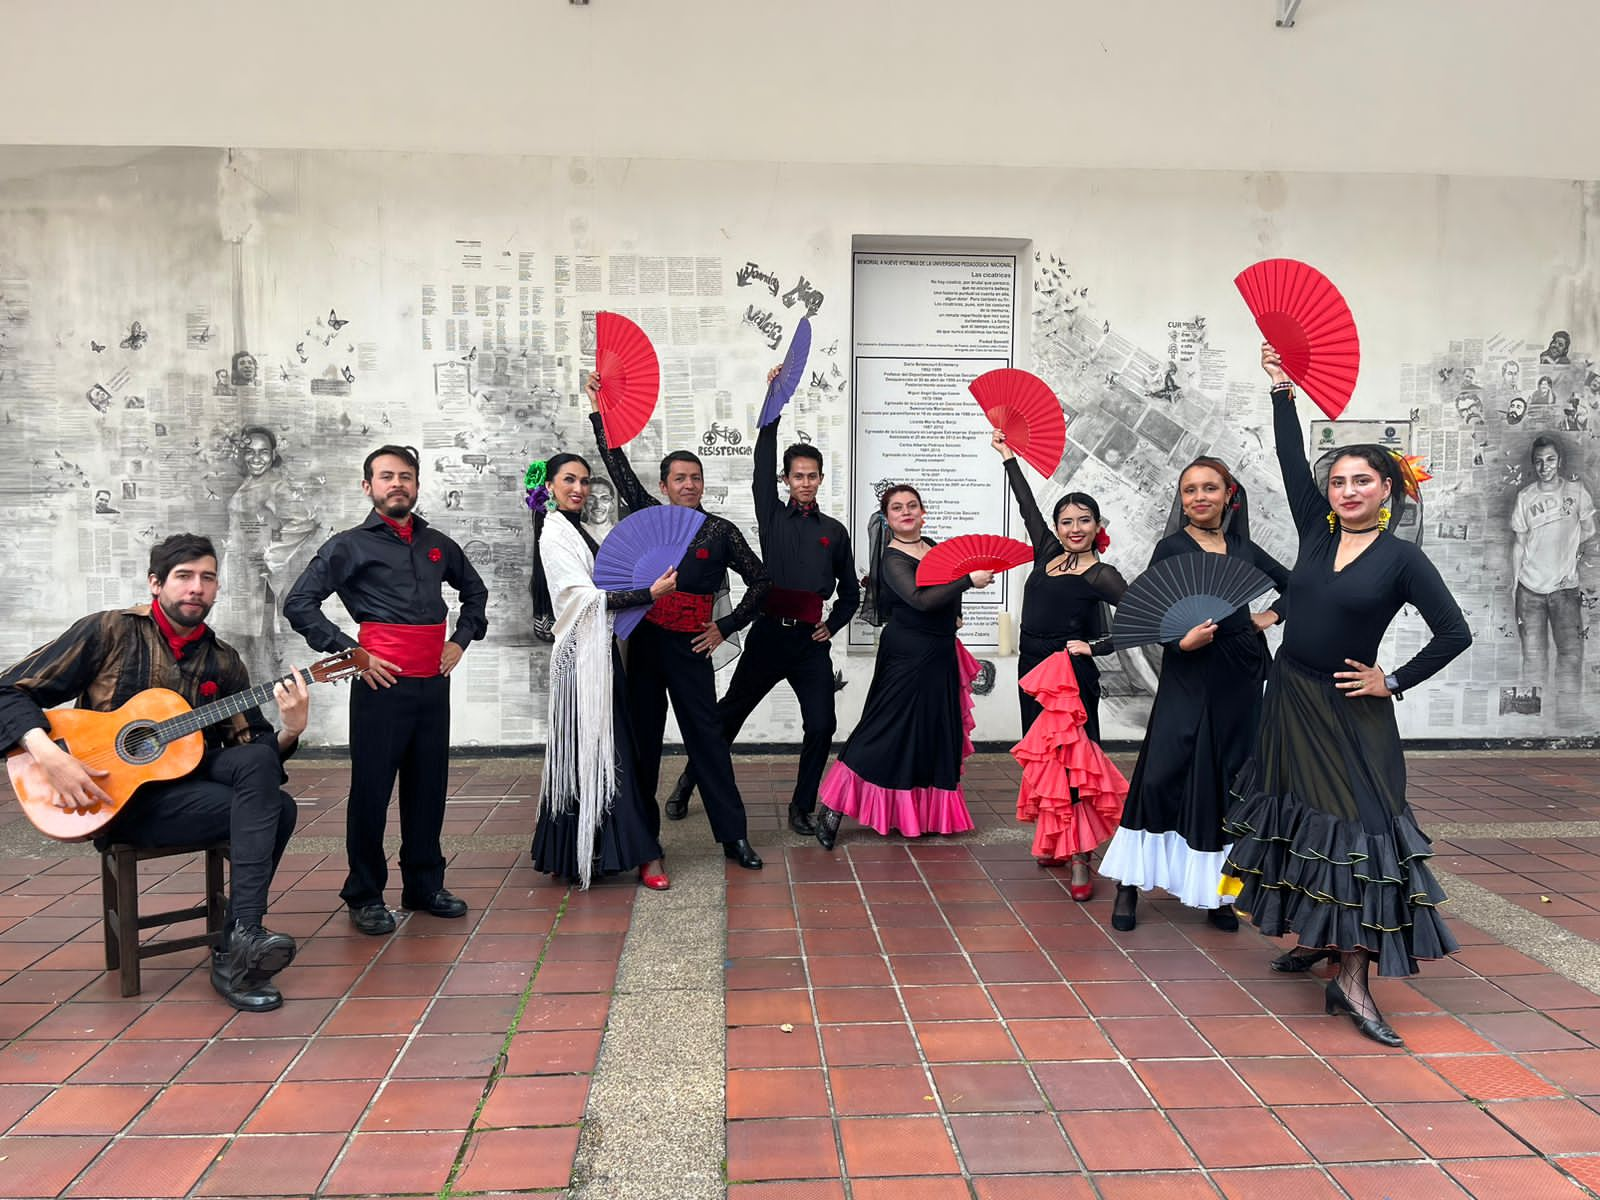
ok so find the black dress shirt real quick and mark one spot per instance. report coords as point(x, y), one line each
point(383, 579)
point(716, 549)
point(804, 550)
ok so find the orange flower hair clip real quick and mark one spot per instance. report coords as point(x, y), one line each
point(1412, 472)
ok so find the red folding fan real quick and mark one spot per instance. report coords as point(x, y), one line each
point(1308, 323)
point(952, 559)
point(1022, 406)
point(630, 377)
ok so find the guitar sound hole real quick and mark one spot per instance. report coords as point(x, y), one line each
point(137, 743)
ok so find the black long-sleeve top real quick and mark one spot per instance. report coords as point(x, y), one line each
point(804, 551)
point(718, 548)
point(1061, 608)
point(381, 578)
point(1344, 614)
point(935, 609)
point(107, 658)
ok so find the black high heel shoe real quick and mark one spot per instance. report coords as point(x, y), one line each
point(827, 822)
point(1375, 1028)
point(1125, 911)
point(1294, 961)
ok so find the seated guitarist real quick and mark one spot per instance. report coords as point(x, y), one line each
point(235, 793)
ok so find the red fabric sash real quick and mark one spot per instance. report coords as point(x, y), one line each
point(416, 648)
point(681, 612)
point(793, 603)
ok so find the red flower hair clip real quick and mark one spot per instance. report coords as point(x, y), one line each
point(435, 554)
point(208, 689)
point(1102, 542)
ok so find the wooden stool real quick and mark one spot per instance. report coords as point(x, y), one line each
point(119, 890)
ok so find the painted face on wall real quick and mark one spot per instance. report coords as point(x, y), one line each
point(1546, 464)
point(258, 454)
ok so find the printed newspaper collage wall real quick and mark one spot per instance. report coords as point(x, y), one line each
point(214, 339)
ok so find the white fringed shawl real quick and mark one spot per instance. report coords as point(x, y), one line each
point(580, 754)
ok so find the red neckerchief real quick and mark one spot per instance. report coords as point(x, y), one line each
point(176, 642)
point(805, 510)
point(403, 531)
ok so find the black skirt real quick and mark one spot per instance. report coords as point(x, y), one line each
point(1324, 842)
point(627, 838)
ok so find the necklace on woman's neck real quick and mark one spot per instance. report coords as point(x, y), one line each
point(917, 541)
point(1215, 530)
point(1343, 528)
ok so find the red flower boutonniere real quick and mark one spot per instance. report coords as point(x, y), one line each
point(824, 541)
point(702, 553)
point(208, 689)
point(435, 554)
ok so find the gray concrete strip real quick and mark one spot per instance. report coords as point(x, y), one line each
point(1510, 831)
point(654, 1124)
point(1568, 954)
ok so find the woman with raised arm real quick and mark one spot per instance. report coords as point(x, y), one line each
point(1063, 608)
point(1203, 721)
point(901, 768)
point(1324, 843)
point(592, 816)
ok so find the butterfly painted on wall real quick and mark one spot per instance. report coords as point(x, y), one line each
point(97, 347)
point(334, 323)
point(136, 338)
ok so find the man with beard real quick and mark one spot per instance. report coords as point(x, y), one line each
point(389, 572)
point(236, 792)
point(808, 555)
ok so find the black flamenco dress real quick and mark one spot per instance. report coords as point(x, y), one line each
point(1324, 843)
point(1057, 609)
point(628, 833)
point(901, 768)
point(1202, 727)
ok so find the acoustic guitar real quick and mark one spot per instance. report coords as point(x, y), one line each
point(155, 735)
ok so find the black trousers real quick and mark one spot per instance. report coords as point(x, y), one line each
point(775, 653)
point(661, 665)
point(402, 730)
point(236, 793)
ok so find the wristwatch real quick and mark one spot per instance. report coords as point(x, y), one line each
point(1393, 684)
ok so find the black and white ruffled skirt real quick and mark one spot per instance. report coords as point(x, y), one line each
point(1324, 844)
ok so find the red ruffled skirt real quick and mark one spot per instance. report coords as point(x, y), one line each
point(1070, 789)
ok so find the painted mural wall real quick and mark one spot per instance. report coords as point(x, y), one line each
point(214, 339)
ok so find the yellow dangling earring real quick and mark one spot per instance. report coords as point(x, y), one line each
point(1333, 523)
point(1383, 518)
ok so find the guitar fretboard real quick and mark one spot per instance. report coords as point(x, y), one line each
point(206, 715)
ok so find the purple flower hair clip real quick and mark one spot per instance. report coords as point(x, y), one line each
point(539, 497)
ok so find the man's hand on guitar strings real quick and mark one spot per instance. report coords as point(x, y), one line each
point(73, 782)
point(294, 703)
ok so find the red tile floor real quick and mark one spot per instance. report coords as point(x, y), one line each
point(932, 1020)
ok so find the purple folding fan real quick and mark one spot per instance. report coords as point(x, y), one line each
point(781, 389)
point(639, 549)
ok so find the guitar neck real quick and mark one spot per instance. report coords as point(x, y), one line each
point(206, 715)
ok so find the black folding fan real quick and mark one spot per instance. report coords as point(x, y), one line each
point(1180, 592)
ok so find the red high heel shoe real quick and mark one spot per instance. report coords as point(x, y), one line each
point(658, 883)
point(1082, 891)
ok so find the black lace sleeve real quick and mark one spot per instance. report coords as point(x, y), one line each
point(749, 567)
point(621, 470)
point(629, 599)
point(900, 573)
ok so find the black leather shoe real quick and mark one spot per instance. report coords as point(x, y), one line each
point(827, 827)
point(678, 802)
point(241, 971)
point(375, 919)
point(801, 822)
point(743, 853)
point(440, 904)
point(1125, 912)
point(1224, 918)
point(1298, 960)
point(1374, 1027)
